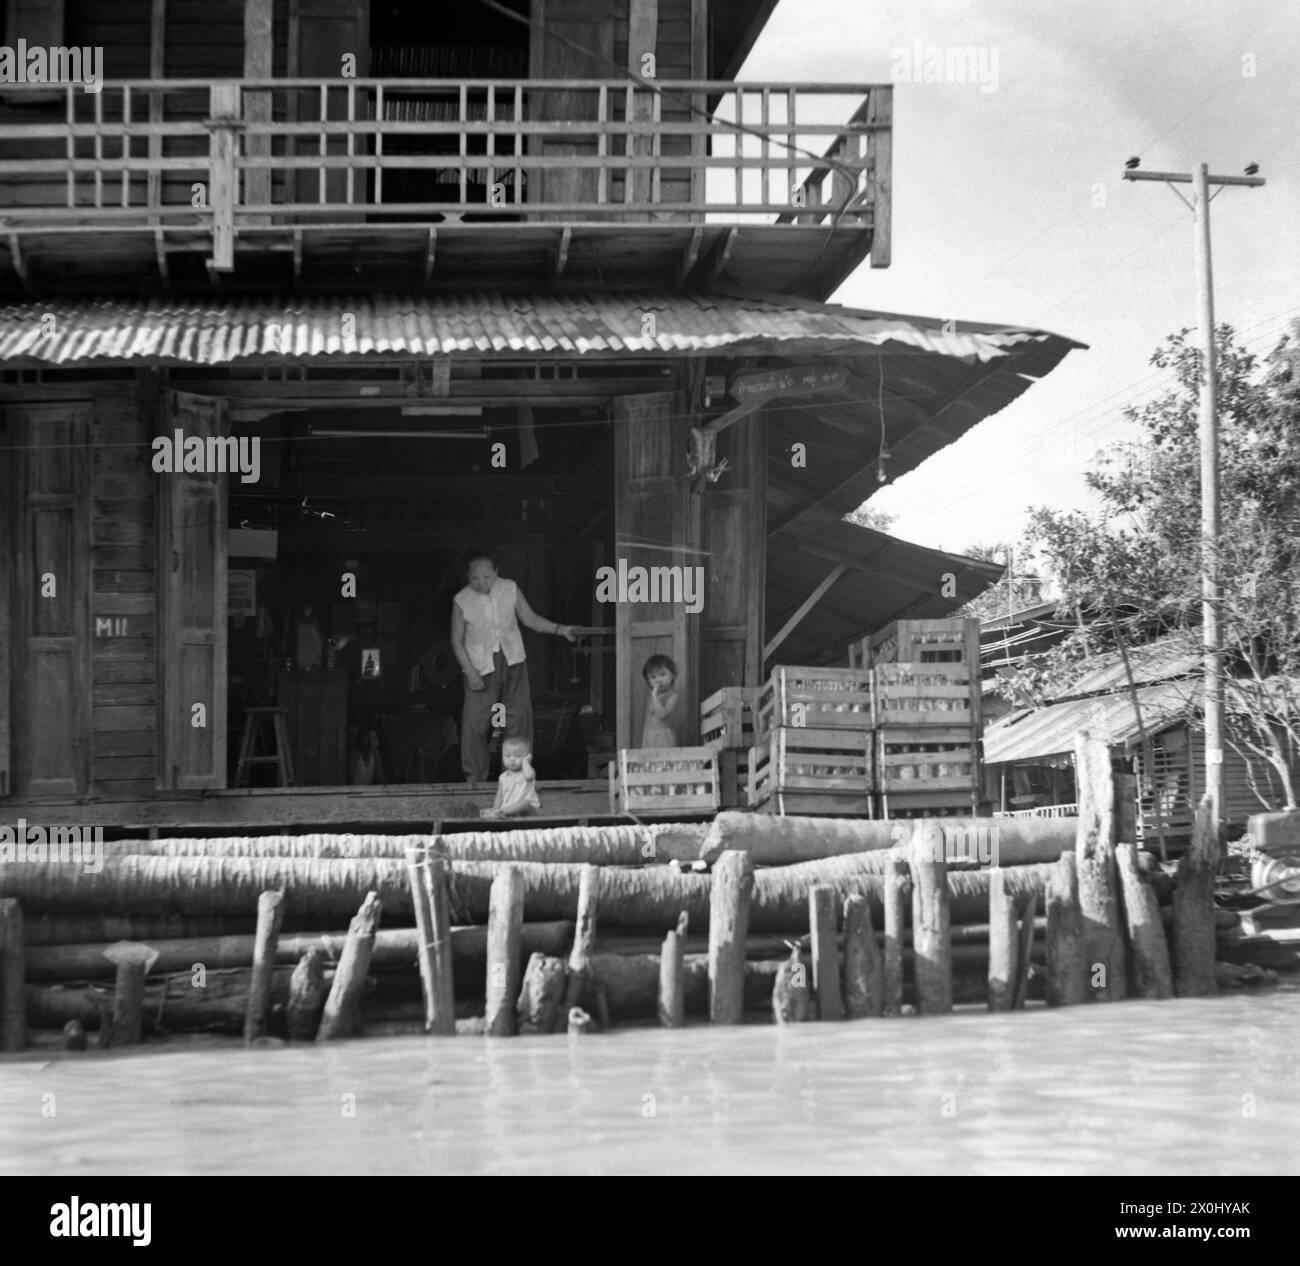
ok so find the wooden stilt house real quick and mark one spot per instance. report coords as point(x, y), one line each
point(302, 296)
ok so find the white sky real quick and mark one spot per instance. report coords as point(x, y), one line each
point(994, 215)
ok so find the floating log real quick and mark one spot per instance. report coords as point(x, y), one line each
point(13, 977)
point(1067, 972)
point(1103, 941)
point(440, 1013)
point(1193, 930)
point(1148, 951)
point(647, 897)
point(672, 998)
point(132, 963)
point(822, 903)
point(270, 910)
point(505, 919)
point(1004, 944)
point(1024, 952)
point(577, 989)
point(541, 994)
point(896, 896)
point(732, 892)
point(306, 996)
point(792, 999)
point(930, 943)
point(864, 987)
point(773, 840)
point(339, 1019)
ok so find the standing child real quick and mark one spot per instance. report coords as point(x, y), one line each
point(517, 786)
point(661, 676)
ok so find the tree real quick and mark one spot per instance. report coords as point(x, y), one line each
point(1013, 592)
point(1135, 567)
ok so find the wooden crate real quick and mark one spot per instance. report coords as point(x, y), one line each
point(815, 699)
point(929, 804)
point(727, 717)
point(911, 694)
point(920, 760)
point(664, 780)
point(950, 641)
point(795, 770)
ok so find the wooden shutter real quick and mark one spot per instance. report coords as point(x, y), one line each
point(8, 500)
point(49, 689)
point(192, 618)
point(650, 523)
point(39, 22)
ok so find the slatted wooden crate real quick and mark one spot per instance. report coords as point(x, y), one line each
point(929, 804)
point(664, 780)
point(950, 641)
point(796, 770)
point(727, 717)
point(921, 760)
point(815, 699)
point(926, 694)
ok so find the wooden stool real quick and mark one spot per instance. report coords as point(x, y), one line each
point(280, 756)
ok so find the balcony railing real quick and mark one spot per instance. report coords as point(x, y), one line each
point(232, 154)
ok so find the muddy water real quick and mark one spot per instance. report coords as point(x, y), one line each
point(1203, 1087)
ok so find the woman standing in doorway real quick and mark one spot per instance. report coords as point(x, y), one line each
point(485, 638)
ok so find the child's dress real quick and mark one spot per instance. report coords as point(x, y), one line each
point(515, 787)
point(656, 732)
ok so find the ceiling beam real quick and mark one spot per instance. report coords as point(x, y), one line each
point(804, 607)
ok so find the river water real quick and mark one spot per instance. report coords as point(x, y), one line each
point(1208, 1086)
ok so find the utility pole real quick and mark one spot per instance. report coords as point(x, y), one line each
point(1201, 180)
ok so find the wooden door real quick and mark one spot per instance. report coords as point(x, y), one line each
point(50, 685)
point(321, 34)
point(589, 25)
point(650, 530)
point(8, 499)
point(192, 539)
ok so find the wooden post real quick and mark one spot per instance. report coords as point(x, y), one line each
point(1194, 946)
point(442, 1013)
point(1004, 942)
point(1103, 942)
point(270, 913)
point(132, 963)
point(307, 995)
point(931, 947)
point(579, 1022)
point(342, 1007)
point(1067, 973)
point(898, 889)
point(1024, 952)
point(825, 952)
point(578, 993)
point(729, 898)
point(541, 994)
point(672, 984)
point(792, 1000)
point(415, 863)
point(505, 922)
point(13, 977)
point(1152, 977)
point(864, 987)
point(73, 1037)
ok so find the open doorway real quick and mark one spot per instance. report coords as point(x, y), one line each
point(344, 561)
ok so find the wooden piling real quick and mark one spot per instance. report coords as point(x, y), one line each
point(13, 977)
point(306, 995)
point(822, 903)
point(896, 897)
point(792, 999)
point(270, 913)
point(864, 987)
point(1024, 952)
point(672, 984)
point(1193, 926)
point(1067, 972)
point(729, 899)
point(931, 946)
point(505, 923)
point(579, 1022)
point(1103, 940)
point(578, 992)
point(342, 1007)
point(1148, 950)
point(541, 994)
point(73, 1036)
point(1004, 943)
point(415, 863)
point(132, 962)
point(442, 1010)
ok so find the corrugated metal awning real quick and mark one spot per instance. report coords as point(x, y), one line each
point(216, 332)
point(1051, 731)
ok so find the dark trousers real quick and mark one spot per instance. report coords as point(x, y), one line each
point(507, 684)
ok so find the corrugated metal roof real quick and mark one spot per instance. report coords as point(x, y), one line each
point(1052, 730)
point(69, 332)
